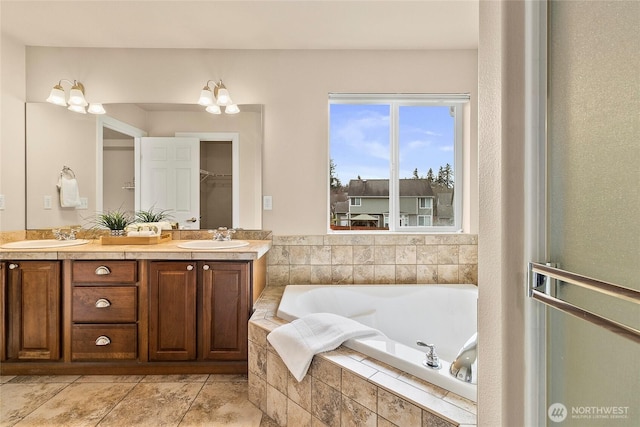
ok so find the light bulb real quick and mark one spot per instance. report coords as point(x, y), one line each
point(232, 109)
point(57, 96)
point(213, 109)
point(206, 96)
point(96, 108)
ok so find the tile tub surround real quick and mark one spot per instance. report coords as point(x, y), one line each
point(365, 259)
point(342, 387)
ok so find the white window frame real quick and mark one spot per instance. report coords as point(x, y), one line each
point(429, 217)
point(357, 201)
point(395, 101)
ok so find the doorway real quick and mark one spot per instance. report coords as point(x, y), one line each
point(216, 189)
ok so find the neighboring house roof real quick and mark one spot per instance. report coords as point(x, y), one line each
point(342, 207)
point(380, 188)
point(364, 217)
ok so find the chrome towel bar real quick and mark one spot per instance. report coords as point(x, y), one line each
point(541, 287)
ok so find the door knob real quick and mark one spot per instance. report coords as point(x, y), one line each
point(194, 219)
point(206, 267)
point(189, 267)
point(13, 266)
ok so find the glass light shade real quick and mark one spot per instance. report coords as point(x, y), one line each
point(206, 96)
point(57, 96)
point(232, 109)
point(222, 97)
point(76, 97)
point(77, 109)
point(96, 108)
point(213, 109)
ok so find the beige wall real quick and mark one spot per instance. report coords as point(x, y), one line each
point(12, 91)
point(293, 86)
point(501, 263)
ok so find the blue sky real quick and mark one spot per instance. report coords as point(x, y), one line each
point(360, 140)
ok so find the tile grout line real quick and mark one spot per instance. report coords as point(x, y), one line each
point(119, 401)
point(193, 401)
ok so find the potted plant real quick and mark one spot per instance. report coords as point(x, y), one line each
point(115, 220)
point(150, 215)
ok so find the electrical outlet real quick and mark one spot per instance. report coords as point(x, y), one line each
point(84, 203)
point(47, 202)
point(1, 202)
point(267, 203)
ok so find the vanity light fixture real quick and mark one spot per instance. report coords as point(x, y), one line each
point(216, 98)
point(76, 102)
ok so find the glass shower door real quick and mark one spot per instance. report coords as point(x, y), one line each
point(593, 206)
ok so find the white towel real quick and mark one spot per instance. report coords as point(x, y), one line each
point(69, 192)
point(297, 342)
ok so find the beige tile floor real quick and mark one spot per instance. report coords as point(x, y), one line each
point(128, 400)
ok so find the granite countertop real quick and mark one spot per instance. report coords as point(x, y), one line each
point(161, 251)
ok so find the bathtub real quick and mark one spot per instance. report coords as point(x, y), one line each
point(444, 315)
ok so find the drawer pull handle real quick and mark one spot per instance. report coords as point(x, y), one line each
point(103, 340)
point(13, 266)
point(103, 303)
point(189, 267)
point(206, 267)
point(103, 271)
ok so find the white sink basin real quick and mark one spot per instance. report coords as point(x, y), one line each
point(213, 244)
point(41, 244)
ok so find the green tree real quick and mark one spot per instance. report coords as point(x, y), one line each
point(430, 177)
point(334, 181)
point(415, 174)
point(447, 176)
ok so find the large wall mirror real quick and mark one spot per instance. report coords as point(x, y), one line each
point(107, 155)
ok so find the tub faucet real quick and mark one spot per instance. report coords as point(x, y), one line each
point(464, 366)
point(431, 358)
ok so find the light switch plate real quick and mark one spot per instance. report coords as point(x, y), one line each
point(47, 202)
point(2, 202)
point(84, 203)
point(267, 203)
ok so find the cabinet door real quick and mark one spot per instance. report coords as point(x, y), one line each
point(224, 310)
point(33, 310)
point(172, 311)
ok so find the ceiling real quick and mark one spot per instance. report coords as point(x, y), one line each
point(262, 24)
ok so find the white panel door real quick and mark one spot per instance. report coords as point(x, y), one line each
point(170, 178)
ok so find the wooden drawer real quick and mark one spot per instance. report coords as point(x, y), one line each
point(104, 304)
point(119, 342)
point(104, 272)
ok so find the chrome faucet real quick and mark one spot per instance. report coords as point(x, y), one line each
point(222, 233)
point(59, 234)
point(431, 358)
point(464, 366)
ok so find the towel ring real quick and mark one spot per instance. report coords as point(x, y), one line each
point(66, 170)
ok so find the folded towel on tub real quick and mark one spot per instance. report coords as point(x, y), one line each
point(297, 342)
point(69, 192)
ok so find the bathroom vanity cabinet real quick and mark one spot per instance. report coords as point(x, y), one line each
point(31, 310)
point(104, 310)
point(157, 313)
point(198, 310)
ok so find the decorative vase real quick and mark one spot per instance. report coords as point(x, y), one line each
point(117, 232)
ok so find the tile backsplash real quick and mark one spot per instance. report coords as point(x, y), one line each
point(373, 259)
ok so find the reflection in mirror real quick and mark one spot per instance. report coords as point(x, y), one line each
point(102, 152)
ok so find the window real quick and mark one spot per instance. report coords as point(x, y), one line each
point(395, 162)
point(424, 220)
